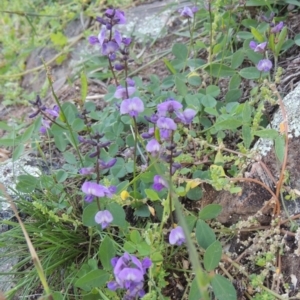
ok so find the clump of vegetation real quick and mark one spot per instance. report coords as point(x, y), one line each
point(112, 221)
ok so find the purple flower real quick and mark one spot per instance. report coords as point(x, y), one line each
point(93, 189)
point(166, 126)
point(46, 124)
point(149, 134)
point(153, 147)
point(104, 218)
point(116, 15)
point(107, 165)
point(121, 92)
point(132, 106)
point(87, 171)
point(169, 106)
point(98, 40)
point(176, 236)
point(129, 274)
point(159, 183)
point(264, 65)
point(261, 48)
point(109, 49)
point(187, 116)
point(277, 28)
point(188, 12)
point(152, 119)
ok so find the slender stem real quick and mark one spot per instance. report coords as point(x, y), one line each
point(211, 41)
point(170, 177)
point(135, 155)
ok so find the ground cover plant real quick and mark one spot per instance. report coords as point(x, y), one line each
point(115, 219)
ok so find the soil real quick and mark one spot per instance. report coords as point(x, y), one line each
point(236, 207)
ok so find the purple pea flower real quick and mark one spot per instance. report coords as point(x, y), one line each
point(117, 16)
point(187, 116)
point(104, 218)
point(87, 171)
point(159, 183)
point(46, 124)
point(129, 274)
point(277, 28)
point(261, 48)
point(188, 12)
point(264, 65)
point(152, 119)
point(107, 165)
point(176, 236)
point(98, 40)
point(149, 134)
point(166, 126)
point(169, 106)
point(132, 106)
point(153, 147)
point(109, 49)
point(54, 112)
point(93, 189)
point(121, 92)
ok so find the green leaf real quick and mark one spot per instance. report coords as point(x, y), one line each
point(233, 95)
point(18, 151)
point(237, 59)
point(84, 86)
point(247, 111)
point(250, 73)
point(294, 2)
point(212, 256)
point(106, 252)
point(26, 183)
point(280, 40)
point(61, 176)
point(228, 124)
point(193, 101)
point(118, 214)
point(208, 101)
point(245, 35)
point(60, 142)
point(210, 211)
point(58, 39)
point(257, 35)
point(27, 133)
point(9, 142)
point(151, 194)
point(204, 234)
point(235, 82)
point(88, 215)
point(135, 236)
point(195, 293)
point(180, 85)
point(297, 39)
point(266, 133)
point(247, 136)
point(219, 70)
point(195, 193)
point(223, 288)
point(213, 90)
point(142, 211)
point(95, 278)
point(4, 126)
point(280, 147)
point(180, 51)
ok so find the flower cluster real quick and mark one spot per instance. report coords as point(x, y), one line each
point(188, 12)
point(111, 42)
point(169, 114)
point(94, 190)
point(265, 65)
point(129, 274)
